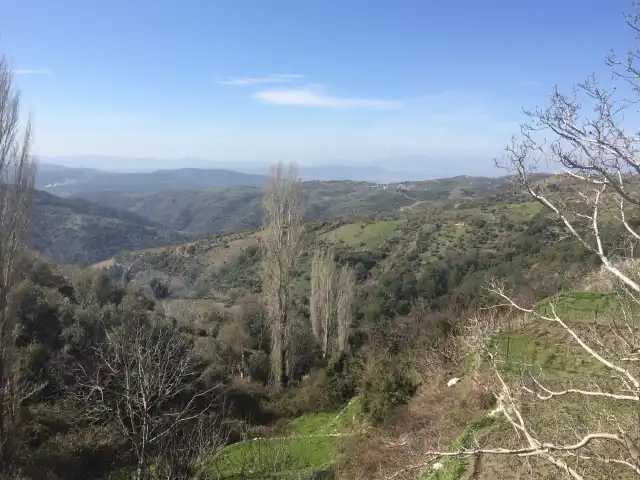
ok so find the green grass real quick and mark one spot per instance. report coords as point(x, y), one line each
point(323, 423)
point(549, 355)
point(363, 235)
point(455, 468)
point(579, 306)
point(311, 446)
point(521, 211)
point(312, 423)
point(272, 458)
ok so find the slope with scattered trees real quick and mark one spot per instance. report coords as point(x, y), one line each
point(238, 209)
point(75, 231)
point(489, 334)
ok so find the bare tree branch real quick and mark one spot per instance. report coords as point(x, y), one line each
point(17, 174)
point(145, 379)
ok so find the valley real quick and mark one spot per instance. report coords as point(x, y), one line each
point(421, 254)
point(414, 300)
point(75, 231)
point(91, 227)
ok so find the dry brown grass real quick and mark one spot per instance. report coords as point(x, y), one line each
point(110, 262)
point(220, 256)
point(432, 421)
point(602, 280)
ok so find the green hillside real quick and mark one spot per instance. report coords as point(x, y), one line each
point(208, 324)
point(450, 418)
point(441, 252)
point(421, 272)
point(75, 231)
point(224, 211)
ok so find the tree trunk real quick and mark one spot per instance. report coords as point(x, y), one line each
point(284, 368)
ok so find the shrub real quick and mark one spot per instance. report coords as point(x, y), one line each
point(159, 288)
point(341, 379)
point(259, 367)
point(312, 396)
point(386, 386)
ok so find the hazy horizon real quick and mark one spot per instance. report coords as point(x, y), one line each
point(298, 81)
point(409, 164)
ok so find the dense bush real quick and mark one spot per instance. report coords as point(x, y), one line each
point(387, 384)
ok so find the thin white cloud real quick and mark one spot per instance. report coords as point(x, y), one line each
point(31, 71)
point(315, 97)
point(275, 78)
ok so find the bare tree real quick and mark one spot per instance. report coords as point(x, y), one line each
point(145, 378)
point(331, 302)
point(17, 173)
point(595, 198)
point(322, 303)
point(181, 455)
point(282, 246)
point(345, 296)
point(235, 335)
point(132, 269)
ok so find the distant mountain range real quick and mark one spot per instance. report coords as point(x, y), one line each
point(69, 179)
point(65, 181)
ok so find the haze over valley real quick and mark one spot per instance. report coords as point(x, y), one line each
point(144, 175)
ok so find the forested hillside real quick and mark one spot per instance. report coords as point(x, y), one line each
point(439, 252)
point(75, 231)
point(223, 211)
point(81, 232)
point(64, 181)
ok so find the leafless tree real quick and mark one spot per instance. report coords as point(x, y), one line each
point(235, 335)
point(132, 269)
point(345, 296)
point(595, 198)
point(322, 303)
point(282, 245)
point(331, 302)
point(17, 173)
point(181, 455)
point(144, 377)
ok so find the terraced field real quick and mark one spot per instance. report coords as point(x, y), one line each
point(546, 351)
point(312, 444)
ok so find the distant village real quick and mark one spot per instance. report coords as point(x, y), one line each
point(403, 187)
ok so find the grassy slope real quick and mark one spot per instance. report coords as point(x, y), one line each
point(311, 445)
point(547, 352)
point(362, 235)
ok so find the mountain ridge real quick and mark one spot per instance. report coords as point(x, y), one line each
point(145, 176)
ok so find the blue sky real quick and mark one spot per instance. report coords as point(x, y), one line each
point(311, 81)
